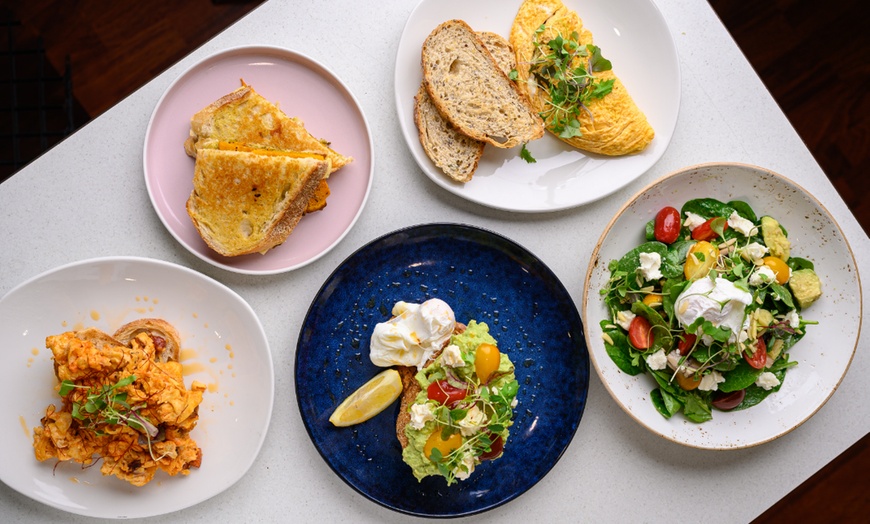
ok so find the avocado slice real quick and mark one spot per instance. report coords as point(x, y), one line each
point(774, 238)
point(806, 287)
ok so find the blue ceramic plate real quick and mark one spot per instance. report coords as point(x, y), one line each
point(483, 276)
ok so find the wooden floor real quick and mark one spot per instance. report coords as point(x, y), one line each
point(813, 56)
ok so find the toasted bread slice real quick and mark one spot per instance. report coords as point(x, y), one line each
point(410, 389)
point(453, 152)
point(167, 341)
point(613, 125)
point(471, 91)
point(245, 202)
point(246, 118)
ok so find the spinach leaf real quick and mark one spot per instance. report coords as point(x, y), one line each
point(697, 408)
point(755, 394)
point(658, 402)
point(673, 262)
point(707, 208)
point(783, 294)
point(743, 209)
point(631, 260)
point(620, 352)
point(650, 231)
point(741, 377)
point(796, 263)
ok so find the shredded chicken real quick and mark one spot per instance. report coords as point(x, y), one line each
point(158, 395)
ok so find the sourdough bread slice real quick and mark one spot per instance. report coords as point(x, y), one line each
point(453, 152)
point(245, 202)
point(167, 341)
point(469, 89)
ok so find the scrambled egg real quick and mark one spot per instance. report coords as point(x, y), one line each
point(158, 395)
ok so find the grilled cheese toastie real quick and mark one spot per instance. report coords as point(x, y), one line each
point(249, 202)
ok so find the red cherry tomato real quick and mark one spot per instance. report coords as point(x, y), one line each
point(445, 393)
point(759, 358)
point(728, 401)
point(686, 343)
point(705, 232)
point(640, 333)
point(495, 449)
point(667, 225)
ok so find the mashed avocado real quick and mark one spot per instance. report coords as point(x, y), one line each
point(494, 402)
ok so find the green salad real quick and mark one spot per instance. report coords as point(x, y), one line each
point(709, 306)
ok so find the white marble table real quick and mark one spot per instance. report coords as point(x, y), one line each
point(614, 470)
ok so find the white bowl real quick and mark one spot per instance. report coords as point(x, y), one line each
point(223, 346)
point(824, 354)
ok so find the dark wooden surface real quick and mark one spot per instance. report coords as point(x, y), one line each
point(813, 56)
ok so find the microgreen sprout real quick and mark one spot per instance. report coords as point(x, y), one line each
point(107, 405)
point(564, 69)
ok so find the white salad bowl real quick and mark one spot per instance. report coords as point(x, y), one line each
point(823, 354)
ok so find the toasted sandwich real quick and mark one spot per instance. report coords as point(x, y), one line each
point(250, 201)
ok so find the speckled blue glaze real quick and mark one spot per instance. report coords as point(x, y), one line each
point(483, 276)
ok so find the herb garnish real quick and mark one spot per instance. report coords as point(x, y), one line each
point(107, 405)
point(563, 68)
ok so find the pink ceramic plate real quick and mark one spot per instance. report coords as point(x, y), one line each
point(302, 88)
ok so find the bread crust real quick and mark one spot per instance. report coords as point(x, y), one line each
point(167, 351)
point(470, 90)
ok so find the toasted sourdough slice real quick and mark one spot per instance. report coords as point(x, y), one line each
point(167, 341)
point(245, 202)
point(470, 90)
point(246, 119)
point(453, 152)
point(614, 124)
point(410, 389)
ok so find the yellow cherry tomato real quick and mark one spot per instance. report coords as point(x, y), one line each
point(779, 268)
point(486, 361)
point(446, 447)
point(688, 382)
point(652, 300)
point(700, 260)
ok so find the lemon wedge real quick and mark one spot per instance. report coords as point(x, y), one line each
point(370, 399)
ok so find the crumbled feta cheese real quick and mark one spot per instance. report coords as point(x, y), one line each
point(762, 276)
point(793, 319)
point(452, 356)
point(754, 251)
point(711, 381)
point(742, 225)
point(464, 469)
point(624, 318)
point(767, 380)
point(650, 263)
point(473, 421)
point(657, 360)
point(692, 220)
point(420, 414)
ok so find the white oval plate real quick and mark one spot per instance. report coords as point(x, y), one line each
point(631, 33)
point(823, 354)
point(223, 346)
point(302, 88)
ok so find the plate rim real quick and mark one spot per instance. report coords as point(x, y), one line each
point(286, 54)
point(594, 262)
point(190, 273)
point(441, 180)
point(382, 238)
